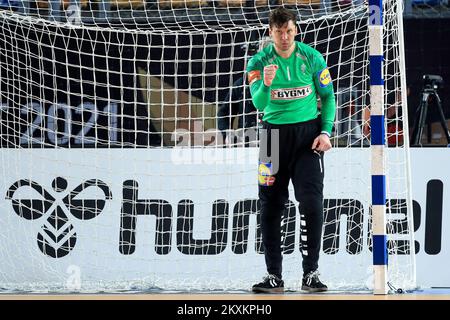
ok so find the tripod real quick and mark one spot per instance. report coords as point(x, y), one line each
point(421, 115)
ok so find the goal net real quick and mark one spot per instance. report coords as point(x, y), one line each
point(129, 146)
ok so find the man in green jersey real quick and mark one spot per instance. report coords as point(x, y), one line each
point(284, 79)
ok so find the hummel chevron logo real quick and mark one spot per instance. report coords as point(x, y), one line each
point(58, 236)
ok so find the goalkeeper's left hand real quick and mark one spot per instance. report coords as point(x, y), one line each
point(321, 143)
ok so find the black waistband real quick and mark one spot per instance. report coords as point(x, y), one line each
point(295, 124)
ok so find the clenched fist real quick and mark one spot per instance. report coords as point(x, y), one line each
point(269, 74)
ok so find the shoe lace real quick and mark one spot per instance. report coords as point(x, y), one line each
point(312, 275)
point(269, 277)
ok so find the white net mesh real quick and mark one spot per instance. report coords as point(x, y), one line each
point(124, 159)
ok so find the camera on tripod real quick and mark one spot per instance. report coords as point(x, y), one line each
point(429, 100)
point(431, 81)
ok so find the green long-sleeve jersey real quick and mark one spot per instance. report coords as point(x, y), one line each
point(292, 97)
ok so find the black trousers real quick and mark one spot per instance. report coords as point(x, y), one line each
point(297, 161)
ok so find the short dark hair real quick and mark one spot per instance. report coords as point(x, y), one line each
point(280, 16)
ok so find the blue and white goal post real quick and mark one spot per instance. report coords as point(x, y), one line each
point(378, 145)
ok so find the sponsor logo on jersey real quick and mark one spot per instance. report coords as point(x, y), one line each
point(291, 93)
point(324, 77)
point(253, 76)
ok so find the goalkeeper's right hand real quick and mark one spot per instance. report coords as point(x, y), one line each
point(269, 74)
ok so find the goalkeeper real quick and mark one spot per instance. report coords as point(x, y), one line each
point(284, 79)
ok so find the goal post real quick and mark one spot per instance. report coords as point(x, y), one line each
point(119, 173)
point(379, 125)
point(378, 142)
